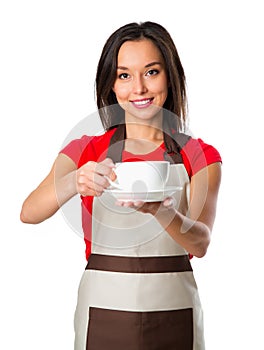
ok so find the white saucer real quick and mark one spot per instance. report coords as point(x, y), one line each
point(151, 196)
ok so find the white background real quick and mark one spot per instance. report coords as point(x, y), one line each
point(49, 54)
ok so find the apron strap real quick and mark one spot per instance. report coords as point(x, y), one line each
point(174, 142)
point(117, 144)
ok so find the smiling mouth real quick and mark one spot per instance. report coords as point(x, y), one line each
point(142, 103)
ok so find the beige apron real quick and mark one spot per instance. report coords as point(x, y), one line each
point(138, 290)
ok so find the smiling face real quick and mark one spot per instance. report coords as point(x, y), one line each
point(141, 85)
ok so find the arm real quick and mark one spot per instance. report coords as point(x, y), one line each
point(62, 183)
point(192, 232)
point(43, 202)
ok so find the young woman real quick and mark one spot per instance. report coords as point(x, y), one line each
point(138, 289)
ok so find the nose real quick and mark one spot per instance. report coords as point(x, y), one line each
point(139, 86)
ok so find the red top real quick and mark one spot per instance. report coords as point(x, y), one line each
point(195, 155)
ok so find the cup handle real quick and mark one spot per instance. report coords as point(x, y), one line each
point(114, 184)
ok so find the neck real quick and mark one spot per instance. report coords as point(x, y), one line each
point(144, 130)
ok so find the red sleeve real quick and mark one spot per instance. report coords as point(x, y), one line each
point(196, 155)
point(75, 148)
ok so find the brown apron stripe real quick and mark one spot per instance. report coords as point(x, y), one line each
point(178, 263)
point(119, 330)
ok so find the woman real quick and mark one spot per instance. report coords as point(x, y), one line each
point(138, 289)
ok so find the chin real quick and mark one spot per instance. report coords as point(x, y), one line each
point(146, 114)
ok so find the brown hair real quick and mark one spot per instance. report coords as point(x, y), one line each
point(111, 113)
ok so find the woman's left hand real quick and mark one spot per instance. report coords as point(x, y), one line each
point(149, 207)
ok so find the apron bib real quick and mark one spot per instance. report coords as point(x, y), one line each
point(138, 290)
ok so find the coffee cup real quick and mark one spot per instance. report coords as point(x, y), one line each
point(141, 176)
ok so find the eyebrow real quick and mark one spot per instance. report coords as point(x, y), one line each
point(146, 66)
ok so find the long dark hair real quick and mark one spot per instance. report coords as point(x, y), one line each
point(111, 113)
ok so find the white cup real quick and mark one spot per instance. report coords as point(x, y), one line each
point(141, 176)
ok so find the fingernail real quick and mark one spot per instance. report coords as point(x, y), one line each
point(169, 202)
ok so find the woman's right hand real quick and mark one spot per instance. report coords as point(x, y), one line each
point(62, 183)
point(91, 178)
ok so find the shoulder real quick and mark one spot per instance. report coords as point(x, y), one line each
point(198, 154)
point(87, 147)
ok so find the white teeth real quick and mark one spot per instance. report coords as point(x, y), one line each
point(141, 103)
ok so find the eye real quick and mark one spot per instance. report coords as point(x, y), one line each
point(123, 76)
point(152, 72)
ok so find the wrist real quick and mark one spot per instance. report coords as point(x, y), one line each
point(66, 187)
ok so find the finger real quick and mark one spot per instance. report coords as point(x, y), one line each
point(105, 169)
point(126, 204)
point(169, 202)
point(138, 204)
point(100, 181)
point(87, 185)
point(108, 162)
point(149, 208)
